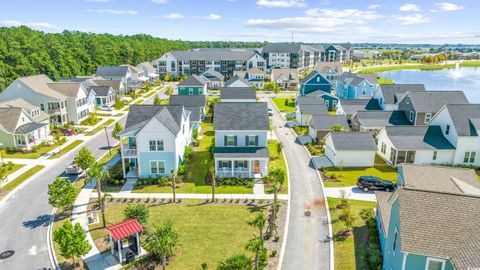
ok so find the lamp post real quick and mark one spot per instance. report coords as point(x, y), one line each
point(108, 142)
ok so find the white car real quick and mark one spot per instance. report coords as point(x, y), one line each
point(72, 168)
point(270, 112)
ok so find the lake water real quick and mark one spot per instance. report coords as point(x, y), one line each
point(466, 79)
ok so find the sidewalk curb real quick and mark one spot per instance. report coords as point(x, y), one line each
point(327, 208)
point(16, 189)
point(51, 251)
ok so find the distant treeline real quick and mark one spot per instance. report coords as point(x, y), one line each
point(25, 52)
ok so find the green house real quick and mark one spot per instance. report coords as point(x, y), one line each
point(193, 85)
point(431, 221)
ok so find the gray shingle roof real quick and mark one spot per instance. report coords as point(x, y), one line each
point(355, 141)
point(234, 79)
point(68, 89)
point(114, 71)
point(188, 101)
point(356, 79)
point(351, 106)
point(323, 67)
point(101, 90)
point(9, 119)
point(432, 101)
point(241, 152)
point(438, 178)
point(169, 115)
point(392, 93)
point(241, 116)
point(309, 76)
point(379, 119)
point(213, 75)
point(465, 118)
point(326, 122)
point(147, 66)
point(115, 84)
point(238, 93)
point(289, 74)
point(215, 54)
point(29, 127)
point(311, 100)
point(440, 225)
point(21, 103)
point(384, 208)
point(40, 84)
point(313, 109)
point(282, 48)
point(194, 80)
point(417, 138)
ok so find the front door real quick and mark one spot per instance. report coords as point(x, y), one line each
point(256, 166)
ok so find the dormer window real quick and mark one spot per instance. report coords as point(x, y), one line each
point(447, 129)
point(407, 100)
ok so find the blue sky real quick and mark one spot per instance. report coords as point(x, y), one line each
point(411, 21)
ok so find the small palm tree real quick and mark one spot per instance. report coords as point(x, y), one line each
point(162, 242)
point(214, 182)
point(255, 245)
point(174, 184)
point(259, 223)
point(101, 203)
point(277, 178)
point(97, 173)
point(236, 262)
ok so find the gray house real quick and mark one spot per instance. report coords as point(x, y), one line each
point(320, 125)
point(388, 95)
point(196, 104)
point(374, 121)
point(238, 94)
point(420, 107)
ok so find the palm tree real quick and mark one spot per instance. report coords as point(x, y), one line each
point(214, 182)
point(161, 242)
point(101, 202)
point(277, 178)
point(96, 172)
point(259, 223)
point(174, 184)
point(236, 262)
point(255, 245)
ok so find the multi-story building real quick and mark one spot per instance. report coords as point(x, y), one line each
point(197, 61)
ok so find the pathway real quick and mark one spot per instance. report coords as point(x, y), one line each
point(351, 193)
point(199, 196)
point(307, 245)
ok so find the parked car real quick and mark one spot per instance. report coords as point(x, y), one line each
point(270, 112)
point(68, 132)
point(106, 108)
point(367, 183)
point(72, 168)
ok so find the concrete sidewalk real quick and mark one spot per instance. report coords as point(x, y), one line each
point(351, 193)
point(199, 196)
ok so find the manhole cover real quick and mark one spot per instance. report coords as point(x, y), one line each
point(6, 254)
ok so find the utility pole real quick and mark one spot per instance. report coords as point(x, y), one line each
point(108, 142)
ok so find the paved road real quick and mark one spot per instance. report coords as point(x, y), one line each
point(306, 246)
point(26, 215)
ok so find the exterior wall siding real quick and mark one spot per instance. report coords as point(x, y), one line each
point(241, 135)
point(146, 157)
point(185, 90)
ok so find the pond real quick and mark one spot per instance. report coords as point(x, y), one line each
point(466, 79)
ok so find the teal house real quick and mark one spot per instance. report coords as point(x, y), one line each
point(193, 85)
point(156, 137)
point(356, 86)
point(431, 221)
point(313, 82)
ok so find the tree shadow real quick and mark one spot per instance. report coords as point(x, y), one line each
point(254, 208)
point(360, 238)
point(40, 221)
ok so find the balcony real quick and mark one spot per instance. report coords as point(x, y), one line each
point(129, 152)
point(54, 111)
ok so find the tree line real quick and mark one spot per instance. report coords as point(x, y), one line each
point(25, 52)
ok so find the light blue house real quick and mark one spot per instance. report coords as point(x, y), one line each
point(356, 86)
point(313, 82)
point(431, 221)
point(156, 136)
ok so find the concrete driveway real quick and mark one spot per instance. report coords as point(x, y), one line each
point(352, 193)
point(308, 245)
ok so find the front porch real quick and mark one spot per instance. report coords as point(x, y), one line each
point(243, 162)
point(30, 135)
point(401, 156)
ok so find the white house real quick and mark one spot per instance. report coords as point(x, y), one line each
point(238, 94)
point(389, 95)
point(237, 81)
point(148, 71)
point(241, 130)
point(253, 76)
point(460, 124)
point(156, 136)
point(215, 79)
point(350, 149)
point(415, 145)
point(78, 103)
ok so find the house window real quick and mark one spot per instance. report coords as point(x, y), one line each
point(190, 91)
point(435, 264)
point(469, 157)
point(222, 164)
point(157, 166)
point(395, 238)
point(42, 107)
point(318, 79)
point(251, 140)
point(428, 117)
point(407, 100)
point(241, 164)
point(384, 147)
point(230, 140)
point(447, 129)
point(156, 145)
point(434, 155)
point(412, 115)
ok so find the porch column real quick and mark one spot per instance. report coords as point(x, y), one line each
point(119, 251)
point(121, 156)
point(250, 168)
point(112, 243)
point(137, 238)
point(26, 142)
point(232, 162)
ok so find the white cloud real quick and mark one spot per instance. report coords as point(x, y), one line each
point(159, 1)
point(354, 14)
point(374, 6)
point(410, 19)
point(281, 3)
point(212, 16)
point(445, 6)
point(114, 11)
point(410, 7)
point(100, 1)
point(174, 16)
point(35, 25)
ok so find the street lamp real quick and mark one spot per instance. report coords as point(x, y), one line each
point(108, 142)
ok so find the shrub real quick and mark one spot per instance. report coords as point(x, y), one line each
point(137, 211)
point(274, 253)
point(163, 181)
point(234, 181)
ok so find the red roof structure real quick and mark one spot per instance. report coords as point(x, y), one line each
point(125, 229)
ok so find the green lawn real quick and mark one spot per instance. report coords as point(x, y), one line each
point(470, 64)
point(165, 101)
point(385, 81)
point(20, 179)
point(150, 94)
point(402, 67)
point(349, 252)
point(277, 161)
point(207, 232)
point(66, 149)
point(280, 103)
point(15, 168)
point(301, 130)
point(140, 101)
point(194, 179)
point(100, 128)
point(348, 176)
point(334, 112)
point(33, 155)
